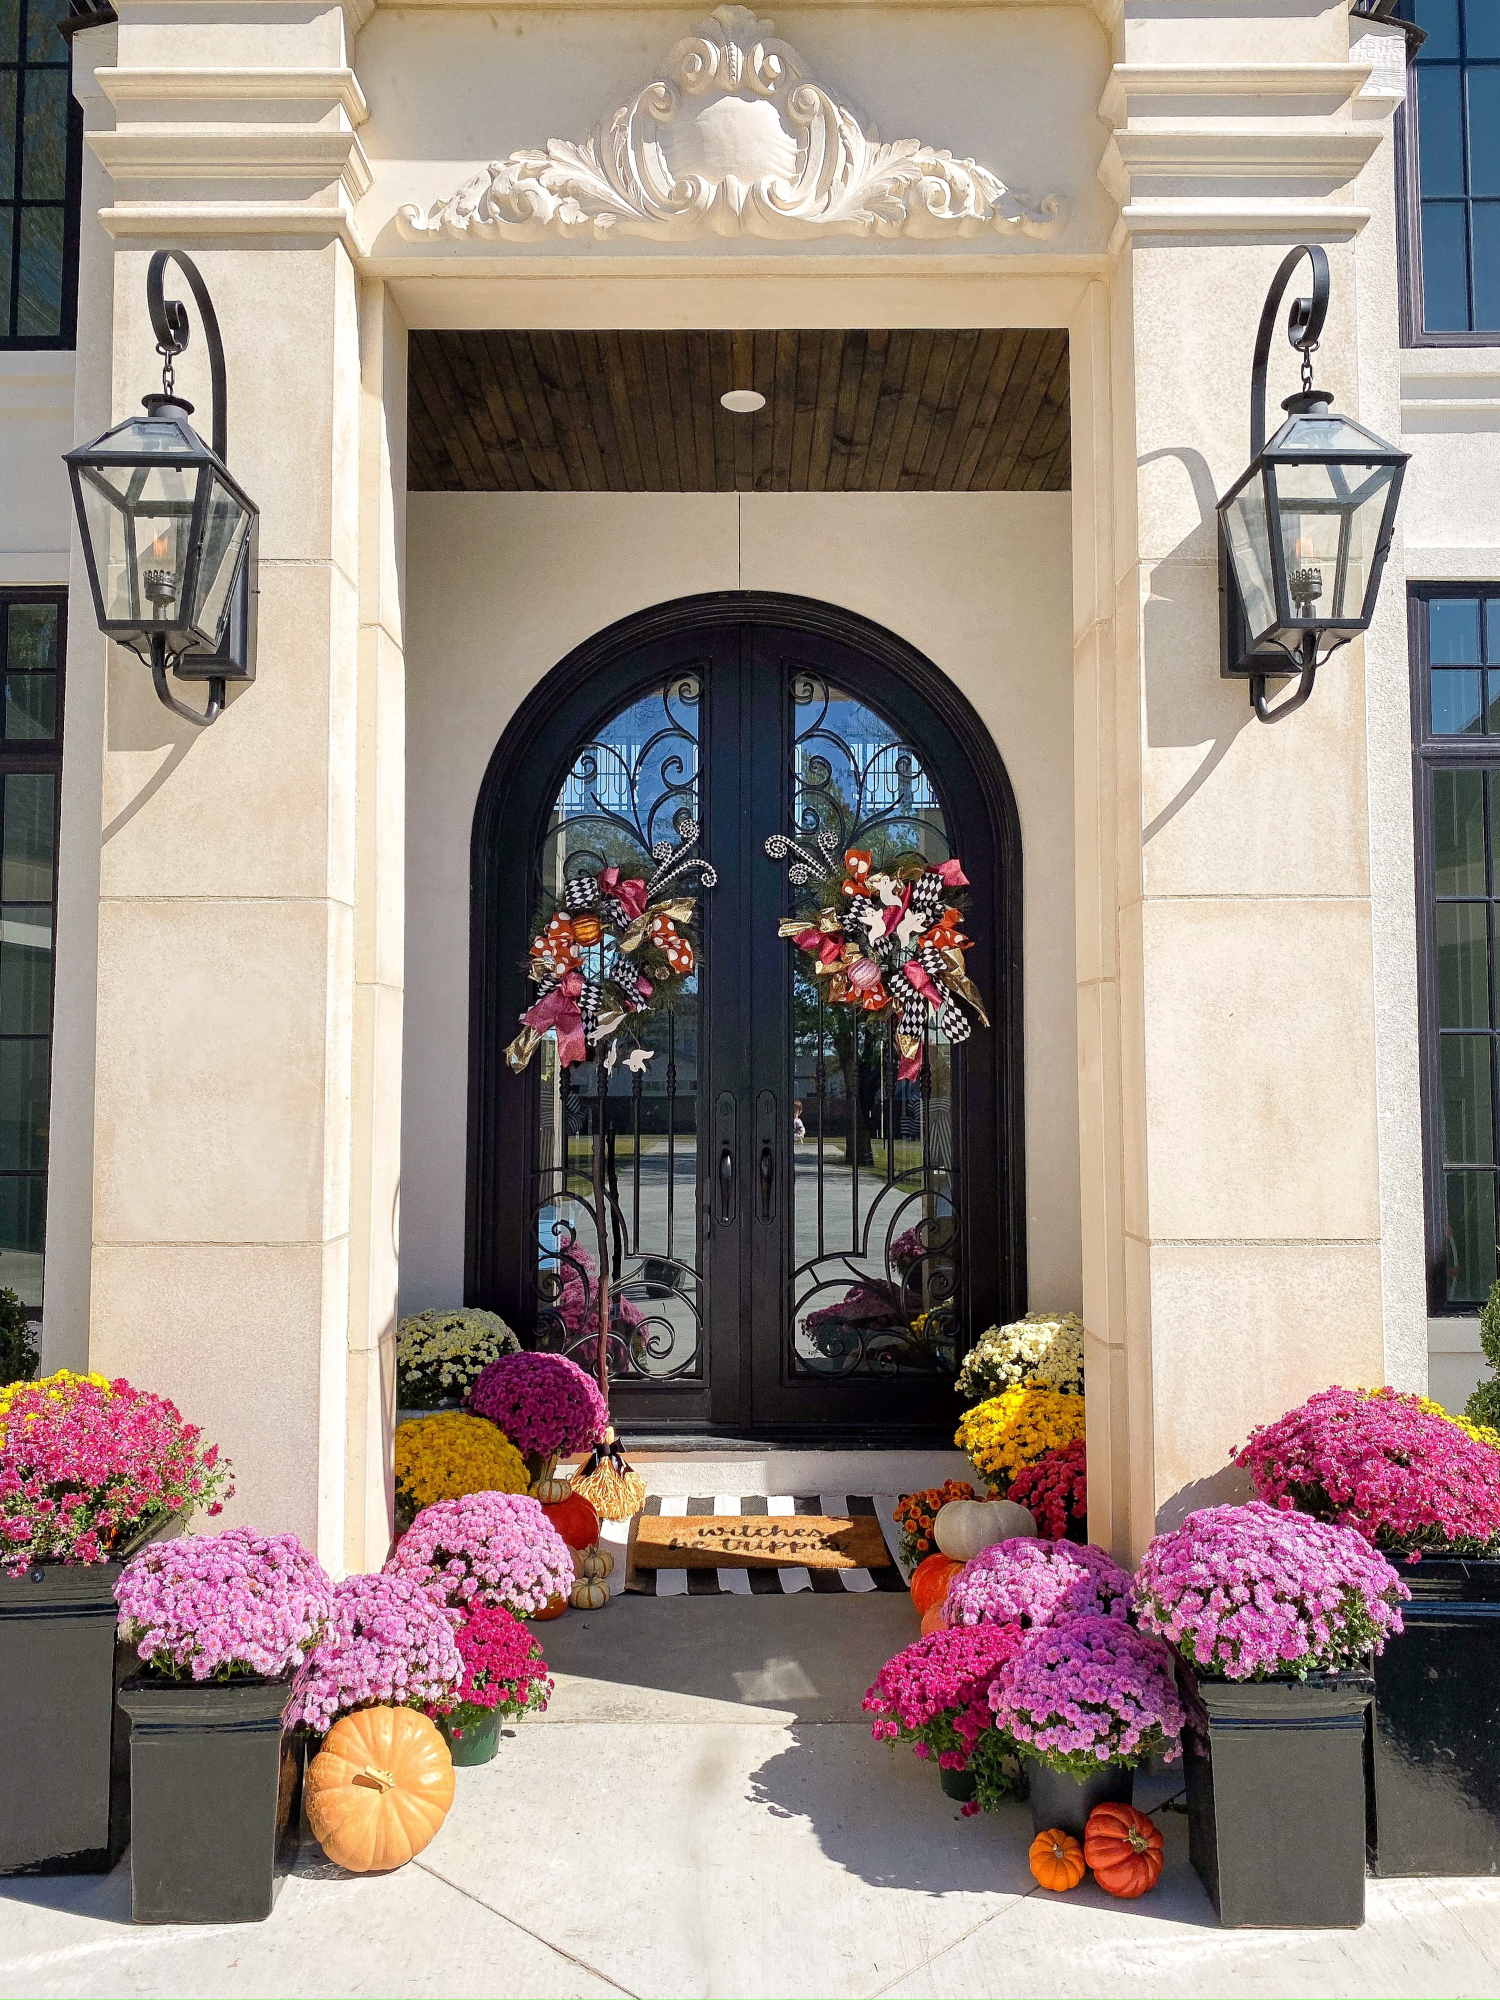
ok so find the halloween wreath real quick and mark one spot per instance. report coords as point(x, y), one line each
point(887, 941)
point(612, 947)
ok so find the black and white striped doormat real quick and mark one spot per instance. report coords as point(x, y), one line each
point(761, 1582)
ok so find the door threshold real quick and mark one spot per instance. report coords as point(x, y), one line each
point(735, 1443)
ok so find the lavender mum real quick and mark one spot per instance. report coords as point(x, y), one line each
point(1031, 1583)
point(544, 1403)
point(210, 1606)
point(392, 1641)
point(1090, 1691)
point(1247, 1593)
point(487, 1548)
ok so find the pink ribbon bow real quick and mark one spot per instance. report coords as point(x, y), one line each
point(630, 893)
point(558, 1011)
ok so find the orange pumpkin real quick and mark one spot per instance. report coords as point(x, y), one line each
point(574, 1519)
point(379, 1788)
point(930, 1581)
point(1057, 1860)
point(1123, 1847)
point(933, 1620)
point(554, 1608)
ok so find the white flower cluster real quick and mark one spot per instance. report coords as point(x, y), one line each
point(1042, 1351)
point(446, 1352)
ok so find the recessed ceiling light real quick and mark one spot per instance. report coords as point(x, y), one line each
point(743, 401)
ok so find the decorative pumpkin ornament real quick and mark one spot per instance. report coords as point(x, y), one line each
point(573, 1518)
point(379, 1788)
point(933, 1620)
point(593, 1562)
point(964, 1527)
point(590, 1593)
point(553, 1608)
point(551, 1489)
point(930, 1580)
point(1124, 1849)
point(1057, 1860)
point(587, 929)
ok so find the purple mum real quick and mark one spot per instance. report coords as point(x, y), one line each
point(209, 1606)
point(544, 1403)
point(1090, 1691)
point(391, 1640)
point(1030, 1583)
point(487, 1548)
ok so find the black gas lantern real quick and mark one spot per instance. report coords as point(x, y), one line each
point(1304, 533)
point(168, 532)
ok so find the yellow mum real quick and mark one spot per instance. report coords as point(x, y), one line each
point(57, 1387)
point(1481, 1433)
point(1013, 1430)
point(446, 1456)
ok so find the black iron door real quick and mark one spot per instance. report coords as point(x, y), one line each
point(797, 1237)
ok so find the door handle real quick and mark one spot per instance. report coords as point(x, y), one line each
point(767, 1179)
point(726, 1183)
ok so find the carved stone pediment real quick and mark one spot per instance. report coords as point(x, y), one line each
point(734, 138)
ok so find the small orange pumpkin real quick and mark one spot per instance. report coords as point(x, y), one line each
point(1057, 1860)
point(379, 1788)
point(574, 1519)
point(933, 1620)
point(1124, 1849)
point(553, 1608)
point(930, 1580)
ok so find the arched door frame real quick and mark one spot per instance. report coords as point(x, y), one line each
point(529, 765)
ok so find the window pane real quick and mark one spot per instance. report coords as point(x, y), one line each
point(1441, 159)
point(23, 1221)
point(31, 638)
point(39, 299)
point(1463, 966)
point(8, 136)
point(6, 215)
point(1468, 1119)
point(1470, 1237)
point(1458, 832)
point(1445, 283)
point(1484, 218)
point(23, 1103)
point(44, 142)
point(1457, 703)
point(10, 29)
point(26, 974)
point(1439, 20)
point(26, 846)
point(43, 43)
point(1484, 130)
point(1481, 29)
point(1452, 630)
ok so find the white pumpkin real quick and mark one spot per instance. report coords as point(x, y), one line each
point(590, 1593)
point(964, 1527)
point(593, 1562)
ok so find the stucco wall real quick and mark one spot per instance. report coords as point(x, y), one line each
point(502, 586)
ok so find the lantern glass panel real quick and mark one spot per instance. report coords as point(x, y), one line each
point(1329, 514)
point(226, 523)
point(1250, 552)
point(140, 528)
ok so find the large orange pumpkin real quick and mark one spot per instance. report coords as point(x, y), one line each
point(1057, 1860)
point(379, 1788)
point(930, 1581)
point(933, 1620)
point(1123, 1847)
point(574, 1519)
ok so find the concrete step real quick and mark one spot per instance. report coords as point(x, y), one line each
point(775, 1469)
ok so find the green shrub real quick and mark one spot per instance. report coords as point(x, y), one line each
point(1483, 1407)
point(18, 1355)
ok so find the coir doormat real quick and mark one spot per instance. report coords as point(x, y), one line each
point(751, 1545)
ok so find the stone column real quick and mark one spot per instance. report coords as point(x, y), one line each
point(247, 1072)
point(1247, 1086)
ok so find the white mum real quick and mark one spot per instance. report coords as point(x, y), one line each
point(451, 1349)
point(1043, 1351)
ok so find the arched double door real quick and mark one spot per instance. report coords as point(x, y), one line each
point(797, 1237)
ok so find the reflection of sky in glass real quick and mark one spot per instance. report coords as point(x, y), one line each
point(857, 778)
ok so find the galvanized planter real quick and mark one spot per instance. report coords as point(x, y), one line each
point(1435, 1804)
point(1276, 1808)
point(216, 1798)
point(64, 1745)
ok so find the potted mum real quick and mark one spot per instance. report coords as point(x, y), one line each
point(1012, 1430)
point(390, 1643)
point(1032, 1583)
point(933, 1695)
point(445, 1456)
point(545, 1404)
point(441, 1355)
point(504, 1677)
point(222, 1623)
point(89, 1470)
point(487, 1549)
point(1425, 1490)
point(1041, 1350)
point(1086, 1700)
point(1276, 1615)
point(1055, 1491)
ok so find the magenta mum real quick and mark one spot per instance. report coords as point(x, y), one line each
point(544, 1403)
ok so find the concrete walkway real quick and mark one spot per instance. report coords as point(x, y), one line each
point(702, 1812)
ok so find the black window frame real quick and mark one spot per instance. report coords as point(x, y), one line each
point(66, 337)
point(41, 756)
point(1434, 752)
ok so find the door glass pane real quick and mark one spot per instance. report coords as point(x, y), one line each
point(875, 1245)
point(622, 791)
point(1458, 832)
point(1468, 1120)
point(1469, 1239)
point(1463, 966)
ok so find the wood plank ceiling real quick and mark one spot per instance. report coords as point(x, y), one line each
point(890, 410)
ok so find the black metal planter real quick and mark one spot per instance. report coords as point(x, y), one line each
point(64, 1744)
point(1276, 1808)
point(216, 1796)
point(1435, 1748)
